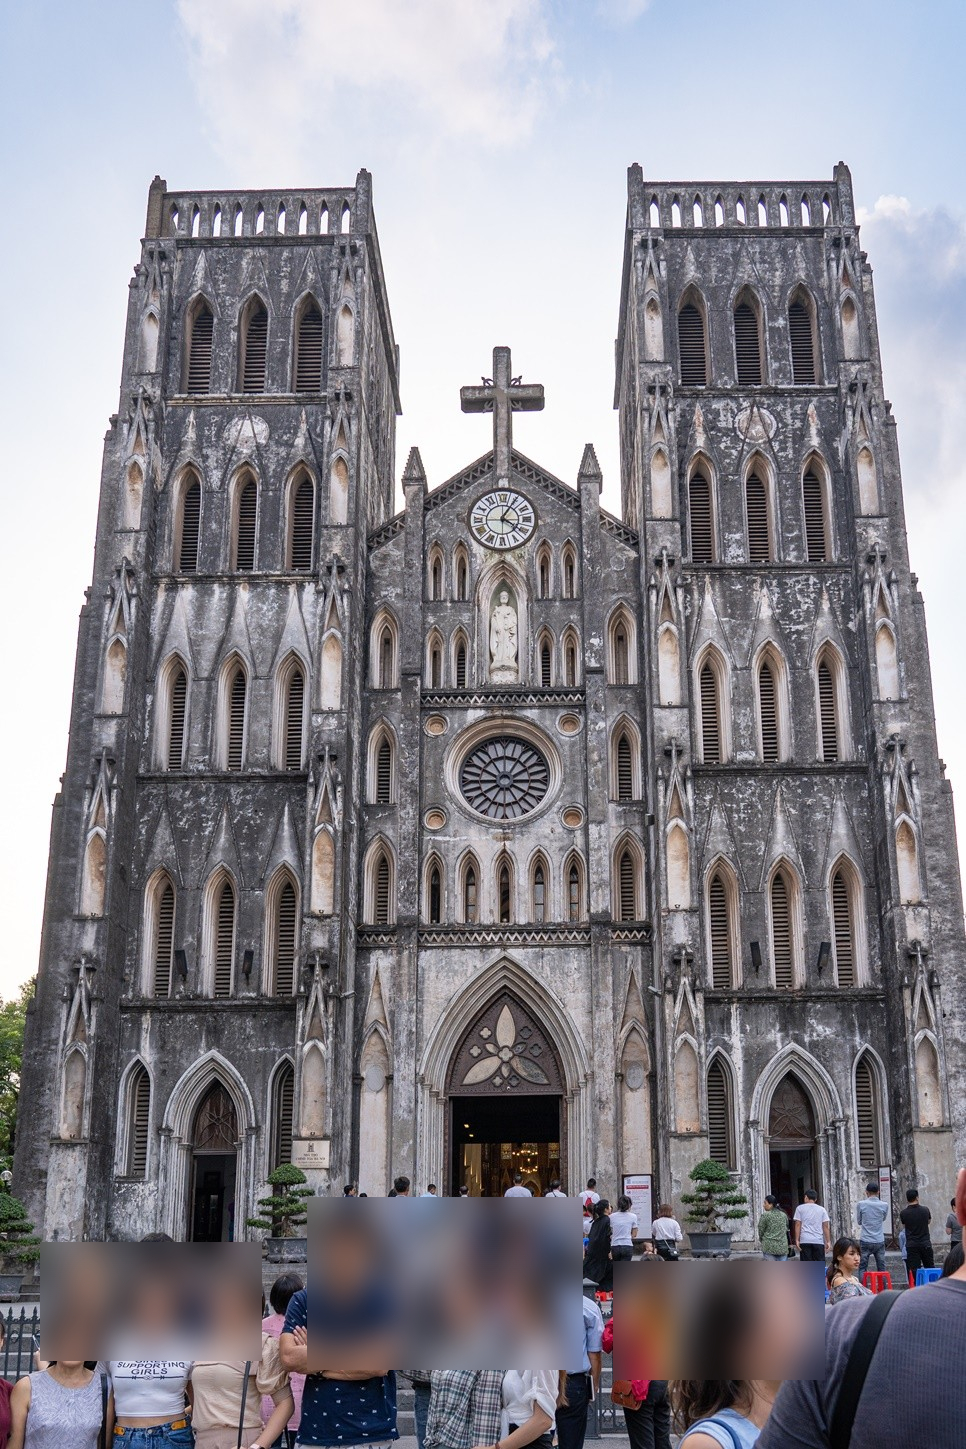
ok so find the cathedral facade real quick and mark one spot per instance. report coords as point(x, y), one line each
point(497, 833)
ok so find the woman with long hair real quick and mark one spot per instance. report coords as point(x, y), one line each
point(721, 1413)
point(840, 1278)
point(597, 1261)
point(623, 1230)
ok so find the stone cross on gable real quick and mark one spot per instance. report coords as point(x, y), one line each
point(502, 395)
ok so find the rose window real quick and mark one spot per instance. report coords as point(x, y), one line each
point(505, 778)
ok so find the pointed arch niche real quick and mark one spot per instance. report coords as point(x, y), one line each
point(210, 1114)
point(799, 1131)
point(448, 1058)
point(499, 576)
point(634, 1067)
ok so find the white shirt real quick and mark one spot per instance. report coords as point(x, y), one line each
point(811, 1215)
point(621, 1225)
point(668, 1229)
point(555, 1192)
point(522, 1391)
point(589, 1193)
point(518, 1190)
point(148, 1389)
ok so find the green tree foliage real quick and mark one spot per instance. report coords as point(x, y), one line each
point(13, 1015)
point(18, 1243)
point(715, 1198)
point(284, 1210)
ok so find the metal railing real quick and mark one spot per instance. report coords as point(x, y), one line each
point(21, 1328)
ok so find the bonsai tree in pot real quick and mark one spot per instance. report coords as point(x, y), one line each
point(19, 1245)
point(714, 1201)
point(283, 1212)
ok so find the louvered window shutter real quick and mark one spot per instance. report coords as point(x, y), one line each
point(767, 706)
point(139, 1124)
point(545, 665)
point(179, 695)
point(461, 667)
point(827, 712)
point(710, 722)
point(719, 1124)
point(625, 773)
point(747, 346)
point(627, 892)
point(256, 345)
point(694, 363)
point(236, 720)
point(285, 941)
point(539, 894)
point(756, 501)
point(573, 893)
point(284, 1116)
point(815, 542)
point(866, 1115)
point(164, 942)
point(190, 525)
point(702, 539)
point(721, 978)
point(469, 895)
point(504, 894)
point(384, 773)
point(199, 351)
point(303, 508)
point(435, 897)
point(308, 356)
point(781, 929)
point(382, 892)
point(842, 930)
point(245, 526)
point(294, 709)
point(224, 941)
point(620, 655)
point(802, 344)
point(385, 660)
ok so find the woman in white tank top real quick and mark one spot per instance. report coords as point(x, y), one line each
point(150, 1394)
point(60, 1405)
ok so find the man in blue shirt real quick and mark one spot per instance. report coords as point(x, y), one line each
point(871, 1214)
point(572, 1416)
point(347, 1407)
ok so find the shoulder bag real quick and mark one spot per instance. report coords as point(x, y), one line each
point(104, 1392)
point(623, 1396)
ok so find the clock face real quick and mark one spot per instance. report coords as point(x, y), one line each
point(502, 519)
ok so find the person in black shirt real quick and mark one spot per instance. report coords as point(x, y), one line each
point(916, 1219)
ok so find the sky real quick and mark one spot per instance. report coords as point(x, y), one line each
point(498, 135)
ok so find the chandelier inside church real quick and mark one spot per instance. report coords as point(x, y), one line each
point(504, 778)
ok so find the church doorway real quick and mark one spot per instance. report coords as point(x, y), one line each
point(505, 1098)
point(792, 1145)
point(214, 1163)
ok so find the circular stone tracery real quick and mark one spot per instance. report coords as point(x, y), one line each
point(504, 778)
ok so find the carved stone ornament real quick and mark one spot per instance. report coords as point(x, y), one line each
point(505, 1051)
point(755, 424)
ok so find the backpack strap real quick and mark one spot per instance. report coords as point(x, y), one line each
point(857, 1367)
point(103, 1434)
point(244, 1401)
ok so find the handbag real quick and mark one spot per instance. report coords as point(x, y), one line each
point(244, 1401)
point(622, 1394)
point(102, 1439)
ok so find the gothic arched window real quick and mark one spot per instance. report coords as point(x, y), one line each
point(721, 930)
point(802, 339)
point(177, 686)
point(768, 713)
point(283, 1115)
point(813, 507)
point(283, 933)
point(223, 938)
point(539, 909)
point(711, 695)
point(749, 358)
point(162, 936)
point(308, 349)
point(254, 348)
point(721, 1136)
point(758, 515)
point(201, 324)
point(782, 900)
point(237, 704)
point(434, 913)
point(246, 517)
point(845, 925)
point(189, 526)
point(138, 1122)
point(829, 685)
point(301, 525)
point(692, 346)
point(868, 1113)
point(701, 518)
point(573, 883)
point(294, 722)
point(471, 894)
point(504, 892)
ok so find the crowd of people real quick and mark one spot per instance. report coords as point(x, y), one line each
point(896, 1373)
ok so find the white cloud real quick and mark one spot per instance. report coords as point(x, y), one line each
point(286, 75)
point(623, 12)
point(919, 259)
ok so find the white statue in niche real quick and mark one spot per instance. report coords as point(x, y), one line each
point(503, 638)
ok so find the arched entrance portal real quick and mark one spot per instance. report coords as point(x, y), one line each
point(505, 1090)
point(792, 1155)
point(214, 1163)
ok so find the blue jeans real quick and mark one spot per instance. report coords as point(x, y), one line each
point(572, 1416)
point(160, 1437)
point(421, 1397)
point(870, 1250)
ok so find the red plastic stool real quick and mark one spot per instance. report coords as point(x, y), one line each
point(877, 1282)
